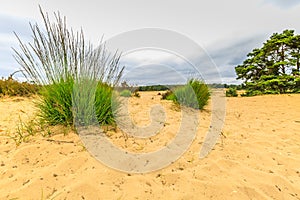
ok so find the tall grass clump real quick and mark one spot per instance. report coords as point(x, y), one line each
point(194, 94)
point(76, 79)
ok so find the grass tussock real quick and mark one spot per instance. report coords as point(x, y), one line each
point(194, 94)
point(76, 79)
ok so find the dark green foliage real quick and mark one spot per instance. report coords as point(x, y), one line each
point(125, 93)
point(153, 88)
point(10, 87)
point(194, 94)
point(250, 93)
point(231, 92)
point(237, 87)
point(274, 68)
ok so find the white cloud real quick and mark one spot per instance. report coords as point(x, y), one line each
point(150, 56)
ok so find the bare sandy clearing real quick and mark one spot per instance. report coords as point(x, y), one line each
point(257, 158)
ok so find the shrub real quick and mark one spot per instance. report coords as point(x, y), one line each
point(10, 87)
point(273, 84)
point(250, 93)
point(194, 94)
point(125, 93)
point(136, 94)
point(168, 95)
point(76, 79)
point(231, 92)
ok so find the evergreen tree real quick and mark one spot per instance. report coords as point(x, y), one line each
point(273, 68)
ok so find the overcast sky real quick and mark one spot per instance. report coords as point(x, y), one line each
point(225, 30)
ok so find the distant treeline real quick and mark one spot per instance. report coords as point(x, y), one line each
point(170, 87)
point(11, 87)
point(154, 88)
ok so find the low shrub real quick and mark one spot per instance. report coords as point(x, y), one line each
point(169, 95)
point(250, 93)
point(125, 93)
point(136, 94)
point(231, 92)
point(11, 87)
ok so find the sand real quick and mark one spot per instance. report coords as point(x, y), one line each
point(257, 156)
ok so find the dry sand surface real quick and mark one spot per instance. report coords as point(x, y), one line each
point(257, 156)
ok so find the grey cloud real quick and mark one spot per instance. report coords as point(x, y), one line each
point(212, 68)
point(233, 54)
point(153, 74)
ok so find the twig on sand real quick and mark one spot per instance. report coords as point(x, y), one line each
point(59, 141)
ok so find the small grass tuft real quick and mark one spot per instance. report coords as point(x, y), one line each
point(125, 93)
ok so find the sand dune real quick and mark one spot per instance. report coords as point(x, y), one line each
point(257, 157)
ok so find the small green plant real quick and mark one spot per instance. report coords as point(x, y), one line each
point(194, 94)
point(169, 95)
point(231, 92)
point(24, 131)
point(125, 93)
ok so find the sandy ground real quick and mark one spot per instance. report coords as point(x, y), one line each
point(257, 156)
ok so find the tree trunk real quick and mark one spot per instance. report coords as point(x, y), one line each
point(282, 59)
point(297, 62)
